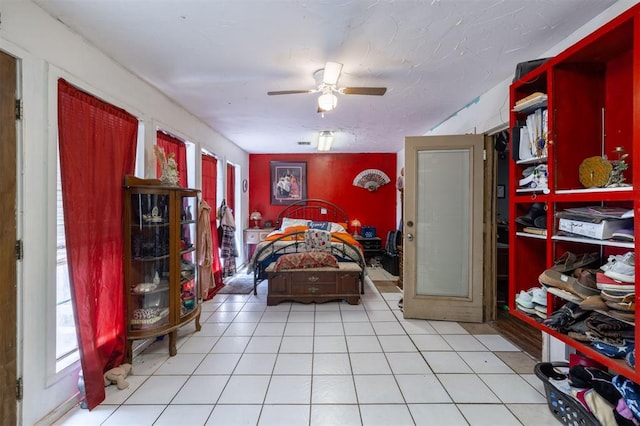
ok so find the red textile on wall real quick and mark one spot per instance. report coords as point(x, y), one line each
point(231, 187)
point(209, 194)
point(173, 145)
point(97, 144)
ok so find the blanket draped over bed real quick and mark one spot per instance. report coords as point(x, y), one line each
point(289, 237)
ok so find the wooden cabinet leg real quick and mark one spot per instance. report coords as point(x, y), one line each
point(129, 352)
point(172, 343)
point(198, 326)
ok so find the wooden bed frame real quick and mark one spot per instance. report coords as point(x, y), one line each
point(315, 210)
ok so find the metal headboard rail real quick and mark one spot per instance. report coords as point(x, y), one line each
point(314, 209)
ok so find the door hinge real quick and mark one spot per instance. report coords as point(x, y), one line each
point(18, 109)
point(19, 251)
point(484, 155)
point(19, 389)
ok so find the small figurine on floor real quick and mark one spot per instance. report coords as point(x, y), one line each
point(117, 375)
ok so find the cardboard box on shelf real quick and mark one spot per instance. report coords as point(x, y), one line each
point(599, 231)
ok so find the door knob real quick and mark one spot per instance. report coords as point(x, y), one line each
point(410, 237)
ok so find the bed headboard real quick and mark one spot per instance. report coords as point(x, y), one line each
point(313, 209)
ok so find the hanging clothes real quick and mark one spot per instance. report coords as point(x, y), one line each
point(228, 250)
point(205, 250)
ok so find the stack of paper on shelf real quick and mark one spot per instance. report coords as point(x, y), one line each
point(595, 222)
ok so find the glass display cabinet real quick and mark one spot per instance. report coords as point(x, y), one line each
point(160, 260)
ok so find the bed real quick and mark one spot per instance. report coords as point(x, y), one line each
point(291, 225)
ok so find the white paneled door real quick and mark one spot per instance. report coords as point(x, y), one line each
point(443, 228)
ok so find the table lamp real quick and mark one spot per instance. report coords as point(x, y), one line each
point(356, 226)
point(256, 217)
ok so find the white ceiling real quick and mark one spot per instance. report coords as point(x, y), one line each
point(218, 58)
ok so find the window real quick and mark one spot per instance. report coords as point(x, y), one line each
point(66, 338)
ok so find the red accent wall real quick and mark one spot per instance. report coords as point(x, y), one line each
point(330, 177)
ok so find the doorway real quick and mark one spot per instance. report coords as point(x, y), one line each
point(528, 338)
point(8, 238)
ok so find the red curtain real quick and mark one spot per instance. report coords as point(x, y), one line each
point(173, 145)
point(97, 143)
point(209, 194)
point(231, 188)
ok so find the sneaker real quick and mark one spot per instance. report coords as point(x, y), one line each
point(541, 311)
point(603, 282)
point(524, 299)
point(539, 296)
point(621, 268)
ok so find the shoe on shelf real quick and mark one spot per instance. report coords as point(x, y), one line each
point(570, 262)
point(536, 209)
point(541, 311)
point(539, 296)
point(603, 282)
point(621, 267)
point(524, 299)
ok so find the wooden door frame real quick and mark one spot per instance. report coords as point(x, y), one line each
point(8, 238)
point(490, 274)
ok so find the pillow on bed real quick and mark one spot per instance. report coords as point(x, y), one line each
point(338, 227)
point(314, 259)
point(317, 240)
point(323, 226)
point(288, 222)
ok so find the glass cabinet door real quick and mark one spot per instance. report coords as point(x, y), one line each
point(150, 267)
point(188, 255)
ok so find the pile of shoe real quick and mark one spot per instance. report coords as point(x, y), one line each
point(533, 302)
point(572, 275)
point(617, 285)
point(604, 308)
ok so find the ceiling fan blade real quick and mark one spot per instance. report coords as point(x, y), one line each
point(332, 72)
point(289, 92)
point(376, 91)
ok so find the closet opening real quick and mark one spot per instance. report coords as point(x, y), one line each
point(518, 332)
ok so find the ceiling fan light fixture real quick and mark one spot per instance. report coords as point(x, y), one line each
point(327, 101)
point(325, 140)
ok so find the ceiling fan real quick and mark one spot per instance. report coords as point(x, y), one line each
point(327, 80)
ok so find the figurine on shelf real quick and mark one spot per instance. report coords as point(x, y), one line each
point(616, 178)
point(168, 165)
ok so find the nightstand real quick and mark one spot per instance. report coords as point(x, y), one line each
point(252, 236)
point(372, 246)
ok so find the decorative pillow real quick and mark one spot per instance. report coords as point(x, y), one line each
point(338, 227)
point(288, 222)
point(317, 240)
point(324, 226)
point(313, 259)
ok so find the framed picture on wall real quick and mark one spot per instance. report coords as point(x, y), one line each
point(288, 182)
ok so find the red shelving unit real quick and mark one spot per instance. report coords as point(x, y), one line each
point(592, 98)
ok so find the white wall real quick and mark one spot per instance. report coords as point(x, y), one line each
point(47, 50)
point(490, 110)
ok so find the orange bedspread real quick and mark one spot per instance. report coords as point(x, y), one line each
point(296, 233)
